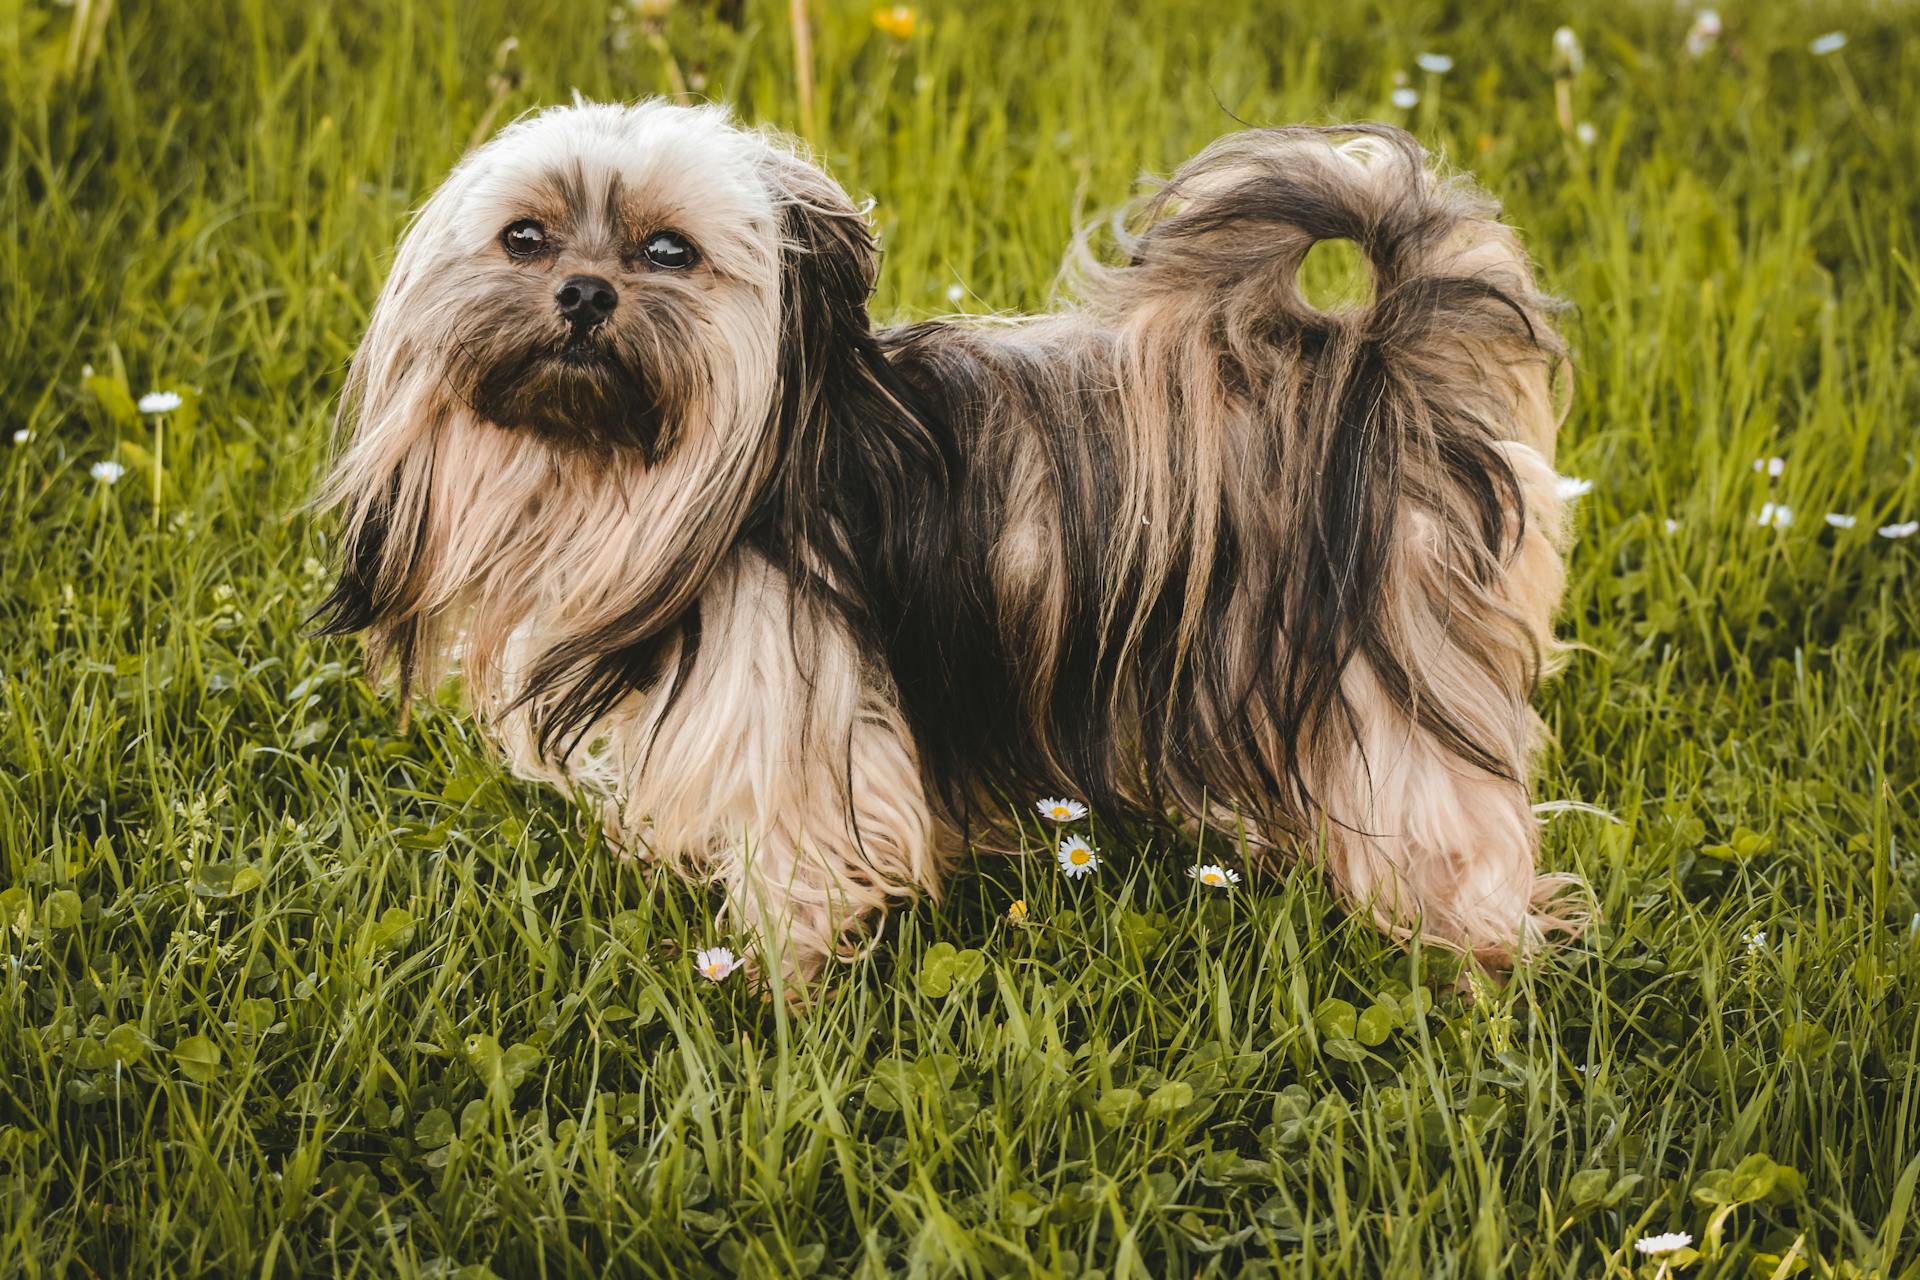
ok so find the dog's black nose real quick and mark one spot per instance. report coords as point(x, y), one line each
point(585, 301)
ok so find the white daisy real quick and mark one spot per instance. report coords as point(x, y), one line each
point(1438, 63)
point(955, 292)
point(1671, 1242)
point(106, 472)
point(22, 436)
point(1704, 32)
point(1568, 488)
point(1566, 48)
point(1774, 515)
point(1214, 876)
point(1775, 467)
point(1585, 133)
point(1905, 529)
point(1077, 858)
point(1673, 526)
point(1062, 810)
point(1832, 42)
point(715, 963)
point(1840, 521)
point(1405, 98)
point(160, 402)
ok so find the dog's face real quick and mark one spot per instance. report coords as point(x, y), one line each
point(604, 277)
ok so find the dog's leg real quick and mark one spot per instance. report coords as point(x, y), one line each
point(821, 861)
point(784, 773)
point(1436, 845)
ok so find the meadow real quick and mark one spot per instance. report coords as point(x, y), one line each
point(291, 988)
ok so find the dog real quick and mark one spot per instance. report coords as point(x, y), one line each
point(804, 605)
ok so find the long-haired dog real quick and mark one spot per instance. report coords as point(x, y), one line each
point(804, 602)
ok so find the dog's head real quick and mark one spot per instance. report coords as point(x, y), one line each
point(602, 341)
point(613, 278)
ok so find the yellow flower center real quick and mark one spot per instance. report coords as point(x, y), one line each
point(1079, 857)
point(1060, 811)
point(1211, 877)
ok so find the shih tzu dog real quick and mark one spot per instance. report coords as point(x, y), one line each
point(802, 602)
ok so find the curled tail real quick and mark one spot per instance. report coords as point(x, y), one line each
point(1379, 479)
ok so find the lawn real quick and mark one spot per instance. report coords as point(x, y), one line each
point(292, 988)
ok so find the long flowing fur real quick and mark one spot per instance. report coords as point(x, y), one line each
point(807, 602)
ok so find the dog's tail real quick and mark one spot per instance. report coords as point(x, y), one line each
point(1364, 510)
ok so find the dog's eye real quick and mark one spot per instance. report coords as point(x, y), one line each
point(671, 250)
point(524, 238)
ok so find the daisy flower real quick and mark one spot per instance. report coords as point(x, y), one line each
point(22, 436)
point(1586, 133)
point(1774, 467)
point(1077, 858)
point(1214, 876)
point(160, 402)
point(106, 472)
point(1568, 488)
point(955, 293)
point(1566, 49)
point(1670, 1242)
point(1437, 63)
point(1832, 42)
point(1703, 33)
point(1673, 526)
point(1405, 98)
point(1840, 521)
point(1062, 810)
point(1774, 515)
point(715, 963)
point(1903, 530)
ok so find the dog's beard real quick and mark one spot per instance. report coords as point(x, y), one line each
point(626, 387)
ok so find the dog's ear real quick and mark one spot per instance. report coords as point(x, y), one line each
point(851, 433)
point(828, 264)
point(380, 483)
point(375, 559)
point(863, 459)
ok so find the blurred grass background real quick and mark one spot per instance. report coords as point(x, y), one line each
point(290, 991)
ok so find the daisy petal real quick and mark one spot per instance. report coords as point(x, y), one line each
point(1669, 1242)
point(715, 963)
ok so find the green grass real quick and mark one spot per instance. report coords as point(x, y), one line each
point(290, 990)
